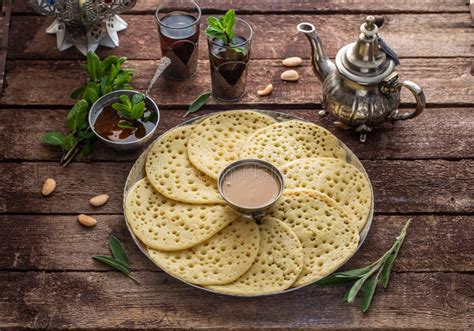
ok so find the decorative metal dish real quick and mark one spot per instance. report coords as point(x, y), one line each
point(138, 172)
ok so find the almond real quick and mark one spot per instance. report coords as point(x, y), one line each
point(99, 200)
point(292, 61)
point(86, 220)
point(49, 186)
point(290, 75)
point(266, 91)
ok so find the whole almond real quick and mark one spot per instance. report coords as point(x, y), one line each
point(99, 200)
point(290, 75)
point(49, 186)
point(86, 220)
point(266, 91)
point(292, 61)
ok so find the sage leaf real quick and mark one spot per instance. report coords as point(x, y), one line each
point(334, 280)
point(53, 138)
point(355, 273)
point(117, 250)
point(113, 263)
point(198, 103)
point(355, 289)
point(387, 269)
point(369, 291)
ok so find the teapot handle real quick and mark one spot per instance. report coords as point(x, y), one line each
point(419, 97)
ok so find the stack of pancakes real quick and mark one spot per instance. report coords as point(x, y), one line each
point(189, 231)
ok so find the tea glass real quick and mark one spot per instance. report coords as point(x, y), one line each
point(229, 63)
point(178, 27)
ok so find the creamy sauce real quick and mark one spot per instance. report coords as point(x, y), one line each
point(250, 187)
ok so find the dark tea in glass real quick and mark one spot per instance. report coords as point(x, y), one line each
point(229, 63)
point(178, 27)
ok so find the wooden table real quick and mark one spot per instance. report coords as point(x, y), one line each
point(421, 169)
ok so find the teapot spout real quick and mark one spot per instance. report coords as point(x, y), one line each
point(322, 66)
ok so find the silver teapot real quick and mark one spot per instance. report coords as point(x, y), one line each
point(361, 90)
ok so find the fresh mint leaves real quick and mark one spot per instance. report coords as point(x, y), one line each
point(130, 110)
point(119, 258)
point(367, 278)
point(103, 77)
point(222, 28)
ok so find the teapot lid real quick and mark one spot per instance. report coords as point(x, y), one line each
point(365, 61)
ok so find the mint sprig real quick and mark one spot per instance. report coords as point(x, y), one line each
point(222, 28)
point(367, 278)
point(131, 110)
point(119, 258)
point(103, 77)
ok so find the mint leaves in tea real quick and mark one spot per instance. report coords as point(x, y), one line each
point(229, 41)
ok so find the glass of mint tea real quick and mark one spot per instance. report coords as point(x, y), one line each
point(178, 26)
point(229, 62)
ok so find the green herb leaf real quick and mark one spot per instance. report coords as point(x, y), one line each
point(69, 142)
point(369, 291)
point(334, 280)
point(151, 118)
point(112, 262)
point(77, 93)
point(86, 150)
point(90, 95)
point(122, 109)
point(122, 79)
point(346, 295)
point(137, 111)
point(85, 135)
point(93, 66)
point(229, 21)
point(355, 273)
point(53, 138)
point(114, 71)
point(125, 100)
point(124, 124)
point(137, 98)
point(198, 103)
point(77, 116)
point(355, 289)
point(108, 62)
point(117, 250)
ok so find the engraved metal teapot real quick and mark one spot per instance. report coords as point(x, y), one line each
point(361, 90)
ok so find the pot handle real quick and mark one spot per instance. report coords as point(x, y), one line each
point(419, 97)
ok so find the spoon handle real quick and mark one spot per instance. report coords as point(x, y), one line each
point(164, 63)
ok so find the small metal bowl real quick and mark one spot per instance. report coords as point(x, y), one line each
point(256, 213)
point(110, 98)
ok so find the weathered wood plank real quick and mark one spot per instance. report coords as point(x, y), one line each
point(109, 300)
point(59, 243)
point(445, 81)
point(438, 133)
point(275, 37)
point(326, 6)
point(400, 186)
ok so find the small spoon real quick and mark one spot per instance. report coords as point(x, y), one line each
point(164, 63)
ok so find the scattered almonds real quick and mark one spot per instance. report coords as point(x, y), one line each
point(49, 186)
point(292, 61)
point(266, 91)
point(99, 200)
point(290, 75)
point(86, 220)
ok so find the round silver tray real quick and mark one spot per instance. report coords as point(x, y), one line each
point(138, 172)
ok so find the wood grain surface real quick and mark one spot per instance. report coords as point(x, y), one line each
point(421, 169)
point(57, 79)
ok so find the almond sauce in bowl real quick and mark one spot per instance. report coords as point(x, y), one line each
point(251, 186)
